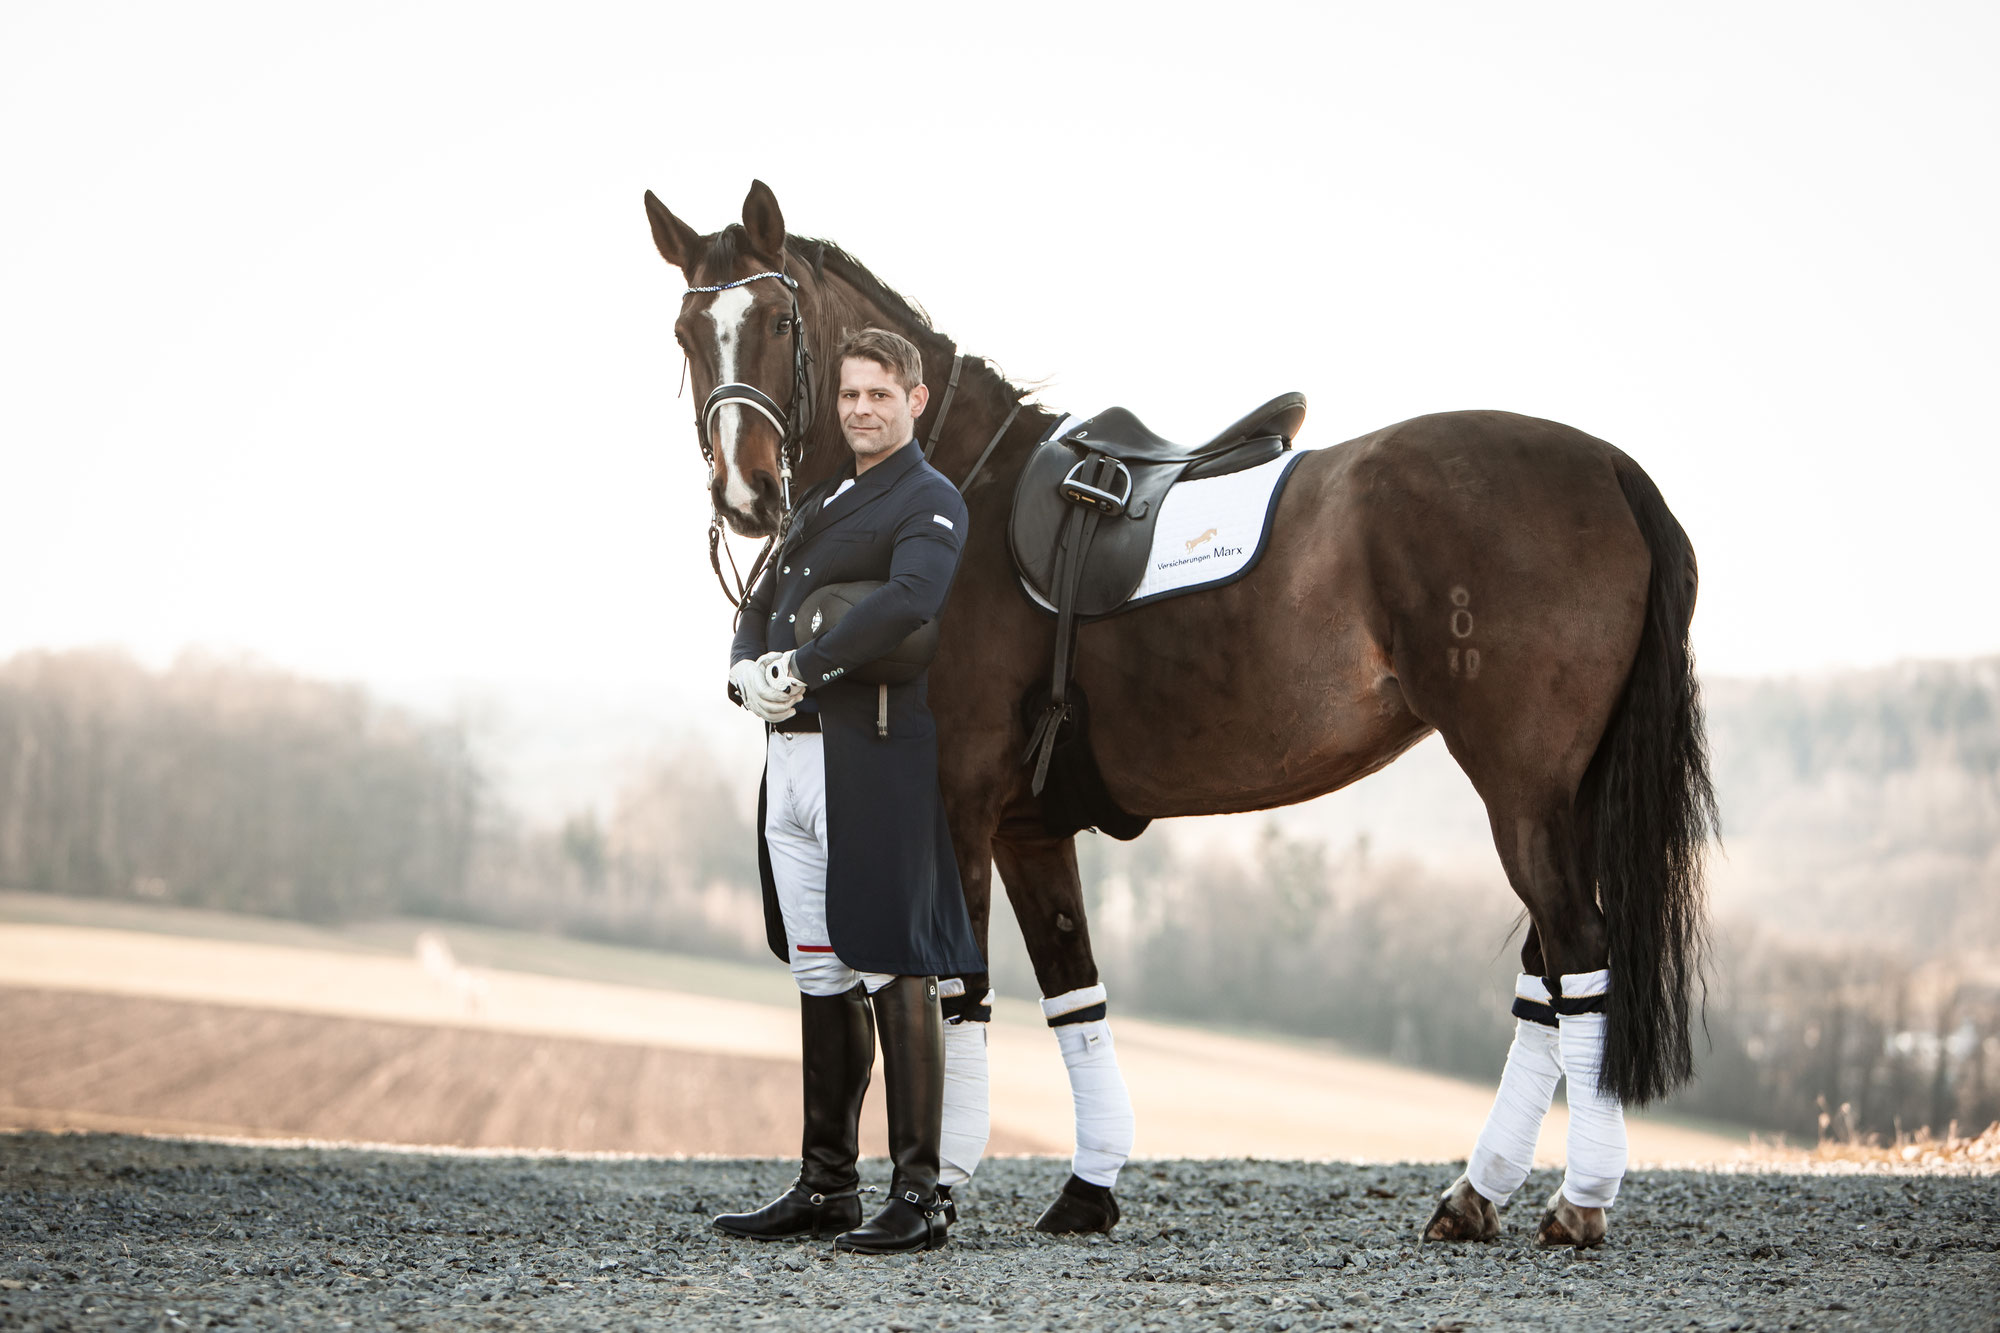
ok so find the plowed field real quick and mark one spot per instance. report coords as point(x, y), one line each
point(75, 1060)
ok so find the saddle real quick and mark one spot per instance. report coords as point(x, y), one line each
point(1085, 510)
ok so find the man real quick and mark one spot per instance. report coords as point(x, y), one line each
point(861, 890)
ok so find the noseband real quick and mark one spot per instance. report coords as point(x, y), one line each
point(791, 422)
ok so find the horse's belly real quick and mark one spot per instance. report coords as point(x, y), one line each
point(1253, 772)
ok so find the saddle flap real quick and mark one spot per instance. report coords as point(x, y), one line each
point(1119, 546)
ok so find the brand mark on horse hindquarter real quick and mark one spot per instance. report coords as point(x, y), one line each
point(1466, 664)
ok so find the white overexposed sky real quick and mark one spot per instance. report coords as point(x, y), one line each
point(335, 334)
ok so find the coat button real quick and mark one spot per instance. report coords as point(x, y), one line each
point(790, 619)
point(774, 615)
point(804, 572)
point(788, 569)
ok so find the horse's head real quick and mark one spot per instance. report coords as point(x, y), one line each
point(740, 329)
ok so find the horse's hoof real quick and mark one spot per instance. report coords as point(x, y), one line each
point(1463, 1213)
point(1566, 1224)
point(1081, 1208)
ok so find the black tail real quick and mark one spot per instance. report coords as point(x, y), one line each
point(1649, 809)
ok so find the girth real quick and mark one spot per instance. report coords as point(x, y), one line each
point(1083, 518)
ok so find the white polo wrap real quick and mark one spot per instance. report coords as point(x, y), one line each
point(1540, 1058)
point(1104, 1123)
point(1596, 1150)
point(967, 1120)
point(1506, 1149)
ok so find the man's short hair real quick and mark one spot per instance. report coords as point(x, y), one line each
point(891, 351)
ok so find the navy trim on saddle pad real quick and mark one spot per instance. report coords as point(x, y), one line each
point(1263, 540)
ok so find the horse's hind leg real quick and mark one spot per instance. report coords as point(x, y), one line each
point(1043, 884)
point(1559, 1034)
point(1469, 1208)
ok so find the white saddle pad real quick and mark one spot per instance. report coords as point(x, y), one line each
point(1210, 532)
point(1213, 530)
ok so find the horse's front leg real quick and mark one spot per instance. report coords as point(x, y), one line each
point(967, 1003)
point(1047, 893)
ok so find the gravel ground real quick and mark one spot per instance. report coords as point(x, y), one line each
point(100, 1231)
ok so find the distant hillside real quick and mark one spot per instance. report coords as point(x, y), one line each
point(1865, 805)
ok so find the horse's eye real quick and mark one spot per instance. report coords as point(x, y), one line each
point(784, 324)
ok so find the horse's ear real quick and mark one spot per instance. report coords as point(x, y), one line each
point(763, 221)
point(679, 243)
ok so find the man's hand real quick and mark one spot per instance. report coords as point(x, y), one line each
point(763, 703)
point(779, 678)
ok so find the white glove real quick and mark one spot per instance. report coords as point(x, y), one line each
point(779, 678)
point(748, 678)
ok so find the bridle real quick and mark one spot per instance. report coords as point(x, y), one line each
point(791, 422)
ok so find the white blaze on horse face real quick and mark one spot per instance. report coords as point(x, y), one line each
point(729, 310)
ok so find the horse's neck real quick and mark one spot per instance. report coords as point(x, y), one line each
point(984, 406)
point(984, 403)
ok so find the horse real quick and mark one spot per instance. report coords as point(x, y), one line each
point(1514, 584)
point(1193, 542)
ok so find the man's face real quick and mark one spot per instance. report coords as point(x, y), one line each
point(876, 416)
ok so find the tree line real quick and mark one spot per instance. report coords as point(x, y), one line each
point(234, 786)
point(226, 785)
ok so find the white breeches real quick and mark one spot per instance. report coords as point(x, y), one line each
point(1540, 1058)
point(795, 835)
point(1104, 1121)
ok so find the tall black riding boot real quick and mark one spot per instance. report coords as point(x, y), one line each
point(906, 1012)
point(837, 1049)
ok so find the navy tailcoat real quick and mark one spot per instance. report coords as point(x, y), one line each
point(893, 899)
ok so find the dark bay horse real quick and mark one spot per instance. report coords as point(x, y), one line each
point(1511, 583)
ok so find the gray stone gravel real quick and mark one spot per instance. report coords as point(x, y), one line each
point(100, 1231)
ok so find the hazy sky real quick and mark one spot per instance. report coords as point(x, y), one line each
point(336, 334)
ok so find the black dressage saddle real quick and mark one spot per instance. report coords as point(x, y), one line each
point(1085, 509)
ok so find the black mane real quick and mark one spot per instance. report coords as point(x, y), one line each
point(826, 257)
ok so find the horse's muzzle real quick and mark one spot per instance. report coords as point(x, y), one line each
point(765, 511)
